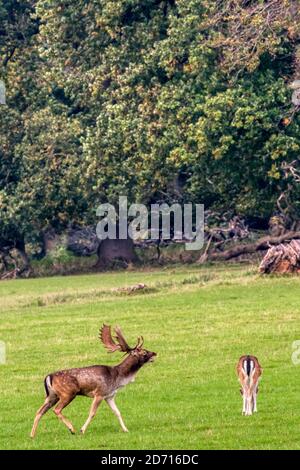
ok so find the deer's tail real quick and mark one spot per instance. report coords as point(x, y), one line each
point(249, 369)
point(48, 384)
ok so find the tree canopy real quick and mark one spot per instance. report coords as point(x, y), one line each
point(159, 100)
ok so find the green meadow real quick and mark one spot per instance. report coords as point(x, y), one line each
point(199, 320)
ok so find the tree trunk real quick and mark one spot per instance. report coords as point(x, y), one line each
point(110, 251)
point(20, 246)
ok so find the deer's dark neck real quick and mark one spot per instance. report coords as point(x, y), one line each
point(128, 367)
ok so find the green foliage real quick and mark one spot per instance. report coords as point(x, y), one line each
point(159, 100)
point(60, 261)
point(236, 146)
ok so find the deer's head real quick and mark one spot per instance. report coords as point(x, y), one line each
point(118, 343)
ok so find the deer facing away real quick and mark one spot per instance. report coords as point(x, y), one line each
point(97, 382)
point(249, 372)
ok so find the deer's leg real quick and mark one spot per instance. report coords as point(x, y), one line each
point(244, 402)
point(255, 399)
point(115, 410)
point(96, 402)
point(251, 401)
point(63, 402)
point(48, 403)
point(249, 404)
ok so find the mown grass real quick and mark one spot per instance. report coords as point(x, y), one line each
point(198, 320)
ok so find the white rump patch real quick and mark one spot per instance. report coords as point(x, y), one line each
point(48, 382)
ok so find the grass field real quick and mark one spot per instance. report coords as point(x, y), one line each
point(198, 320)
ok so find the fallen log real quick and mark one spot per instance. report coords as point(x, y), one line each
point(10, 274)
point(283, 258)
point(261, 244)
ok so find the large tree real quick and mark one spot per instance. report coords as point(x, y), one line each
point(18, 62)
point(158, 100)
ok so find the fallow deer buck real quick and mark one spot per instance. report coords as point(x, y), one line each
point(97, 382)
point(249, 372)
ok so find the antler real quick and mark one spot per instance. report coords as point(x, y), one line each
point(106, 338)
point(121, 340)
point(139, 343)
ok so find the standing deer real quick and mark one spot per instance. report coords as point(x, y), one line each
point(97, 382)
point(249, 372)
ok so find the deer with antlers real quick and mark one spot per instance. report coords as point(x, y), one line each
point(249, 372)
point(97, 382)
